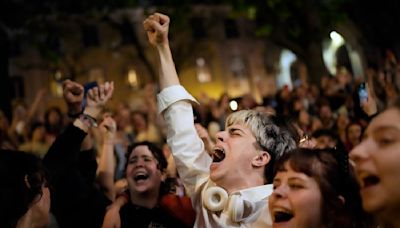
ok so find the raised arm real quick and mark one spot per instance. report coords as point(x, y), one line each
point(105, 171)
point(76, 200)
point(187, 148)
point(157, 26)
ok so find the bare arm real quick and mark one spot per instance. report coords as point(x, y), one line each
point(157, 26)
point(105, 171)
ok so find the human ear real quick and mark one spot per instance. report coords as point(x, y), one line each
point(262, 159)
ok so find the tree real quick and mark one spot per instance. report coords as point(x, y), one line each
point(298, 25)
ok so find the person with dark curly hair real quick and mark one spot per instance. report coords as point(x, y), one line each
point(24, 195)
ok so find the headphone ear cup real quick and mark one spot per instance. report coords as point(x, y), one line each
point(236, 208)
point(215, 198)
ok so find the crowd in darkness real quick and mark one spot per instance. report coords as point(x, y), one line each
point(90, 153)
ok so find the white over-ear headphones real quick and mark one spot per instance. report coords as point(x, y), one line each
point(216, 199)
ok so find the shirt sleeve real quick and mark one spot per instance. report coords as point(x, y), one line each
point(191, 159)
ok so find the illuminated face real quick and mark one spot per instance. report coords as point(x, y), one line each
point(234, 152)
point(377, 160)
point(296, 200)
point(142, 171)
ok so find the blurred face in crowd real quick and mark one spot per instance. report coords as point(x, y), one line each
point(139, 121)
point(342, 121)
point(324, 142)
point(296, 200)
point(54, 117)
point(325, 112)
point(122, 116)
point(142, 172)
point(304, 118)
point(377, 160)
point(38, 134)
point(354, 133)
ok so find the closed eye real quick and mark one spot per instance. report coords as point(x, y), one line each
point(234, 131)
point(295, 186)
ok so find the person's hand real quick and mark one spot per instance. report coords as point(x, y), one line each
point(97, 97)
point(73, 96)
point(112, 218)
point(108, 129)
point(157, 26)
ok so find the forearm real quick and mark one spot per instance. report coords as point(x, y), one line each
point(187, 148)
point(105, 171)
point(168, 75)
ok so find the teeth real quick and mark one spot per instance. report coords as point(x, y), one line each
point(217, 149)
point(279, 209)
point(218, 155)
point(140, 173)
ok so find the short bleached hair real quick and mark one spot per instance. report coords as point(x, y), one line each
point(274, 134)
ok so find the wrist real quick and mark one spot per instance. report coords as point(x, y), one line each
point(92, 111)
point(88, 120)
point(163, 46)
point(74, 110)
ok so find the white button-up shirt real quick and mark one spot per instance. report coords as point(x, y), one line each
point(193, 163)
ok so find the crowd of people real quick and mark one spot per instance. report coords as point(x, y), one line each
point(182, 162)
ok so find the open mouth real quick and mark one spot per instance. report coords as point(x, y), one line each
point(282, 216)
point(218, 155)
point(141, 176)
point(370, 180)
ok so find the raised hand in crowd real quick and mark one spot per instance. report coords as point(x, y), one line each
point(106, 168)
point(73, 97)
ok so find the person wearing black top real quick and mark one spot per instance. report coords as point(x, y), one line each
point(76, 201)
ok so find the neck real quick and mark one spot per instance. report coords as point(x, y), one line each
point(146, 199)
point(244, 183)
point(26, 221)
point(389, 220)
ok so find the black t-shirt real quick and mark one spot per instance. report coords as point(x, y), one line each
point(157, 217)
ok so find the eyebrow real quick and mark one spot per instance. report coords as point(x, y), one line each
point(231, 129)
point(382, 128)
point(296, 178)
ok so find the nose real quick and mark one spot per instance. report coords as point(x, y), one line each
point(280, 192)
point(139, 163)
point(359, 152)
point(220, 136)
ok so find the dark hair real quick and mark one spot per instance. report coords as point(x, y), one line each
point(22, 176)
point(331, 170)
point(156, 151)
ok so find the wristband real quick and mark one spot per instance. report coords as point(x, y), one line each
point(88, 120)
